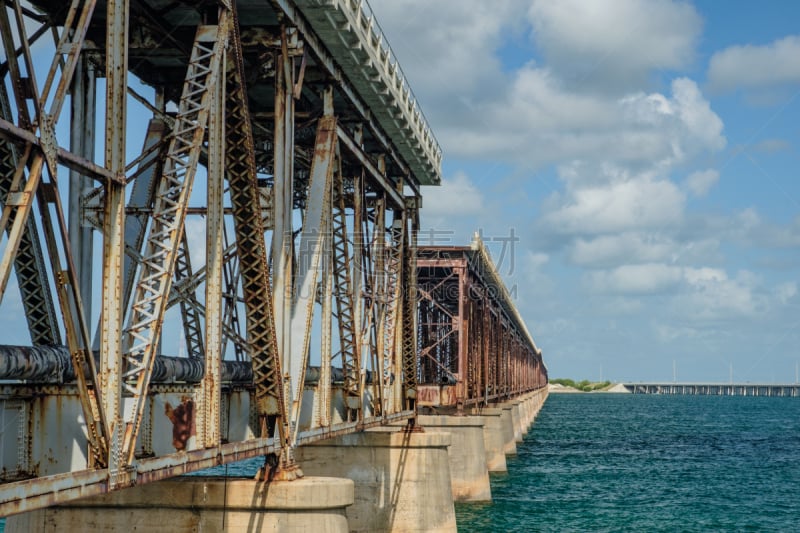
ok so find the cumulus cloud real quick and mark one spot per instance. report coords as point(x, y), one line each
point(786, 291)
point(702, 181)
point(605, 250)
point(614, 43)
point(533, 115)
point(711, 295)
point(447, 51)
point(616, 154)
point(644, 278)
point(694, 293)
point(456, 196)
point(756, 66)
point(639, 202)
point(541, 122)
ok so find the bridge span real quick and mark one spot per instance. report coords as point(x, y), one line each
point(242, 180)
point(716, 389)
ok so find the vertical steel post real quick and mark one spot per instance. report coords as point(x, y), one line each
point(358, 280)
point(322, 397)
point(114, 226)
point(283, 196)
point(463, 324)
point(313, 241)
point(211, 385)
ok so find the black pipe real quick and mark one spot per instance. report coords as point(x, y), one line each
point(52, 364)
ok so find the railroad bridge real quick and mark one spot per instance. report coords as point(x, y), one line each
point(246, 177)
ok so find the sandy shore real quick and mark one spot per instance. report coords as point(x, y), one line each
point(558, 388)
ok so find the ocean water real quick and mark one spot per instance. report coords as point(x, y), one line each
point(619, 462)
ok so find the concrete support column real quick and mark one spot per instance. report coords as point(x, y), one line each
point(509, 439)
point(493, 438)
point(516, 418)
point(527, 411)
point(402, 480)
point(191, 504)
point(469, 473)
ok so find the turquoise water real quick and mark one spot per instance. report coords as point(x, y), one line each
point(616, 462)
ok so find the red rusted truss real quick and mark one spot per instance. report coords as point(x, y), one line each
point(474, 347)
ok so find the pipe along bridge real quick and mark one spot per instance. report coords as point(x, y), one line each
point(209, 224)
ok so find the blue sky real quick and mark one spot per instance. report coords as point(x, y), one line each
point(628, 162)
point(643, 152)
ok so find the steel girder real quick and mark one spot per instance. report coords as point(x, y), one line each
point(343, 207)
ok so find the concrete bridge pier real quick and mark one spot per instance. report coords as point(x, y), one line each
point(516, 419)
point(530, 409)
point(493, 438)
point(469, 471)
point(209, 504)
point(525, 410)
point(533, 404)
point(508, 428)
point(402, 479)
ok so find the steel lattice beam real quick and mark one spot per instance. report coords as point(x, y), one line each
point(169, 213)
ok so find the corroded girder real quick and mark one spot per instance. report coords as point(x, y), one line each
point(343, 289)
point(346, 185)
point(240, 167)
point(474, 348)
point(29, 263)
point(169, 212)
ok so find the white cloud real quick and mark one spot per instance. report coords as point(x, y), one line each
point(456, 196)
point(614, 42)
point(447, 51)
point(751, 66)
point(539, 121)
point(627, 246)
point(703, 276)
point(537, 260)
point(638, 203)
point(702, 181)
point(786, 291)
point(711, 295)
point(638, 279)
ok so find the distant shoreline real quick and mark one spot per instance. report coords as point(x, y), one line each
point(562, 389)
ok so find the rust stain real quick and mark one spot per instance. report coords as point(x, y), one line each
point(182, 418)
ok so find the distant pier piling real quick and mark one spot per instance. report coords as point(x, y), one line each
point(715, 389)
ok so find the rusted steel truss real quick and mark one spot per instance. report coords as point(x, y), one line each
point(474, 347)
point(291, 152)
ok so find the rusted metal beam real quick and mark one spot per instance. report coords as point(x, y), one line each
point(313, 241)
point(15, 134)
point(112, 312)
point(326, 61)
point(158, 261)
point(376, 177)
point(29, 263)
point(283, 203)
point(254, 267)
point(211, 393)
